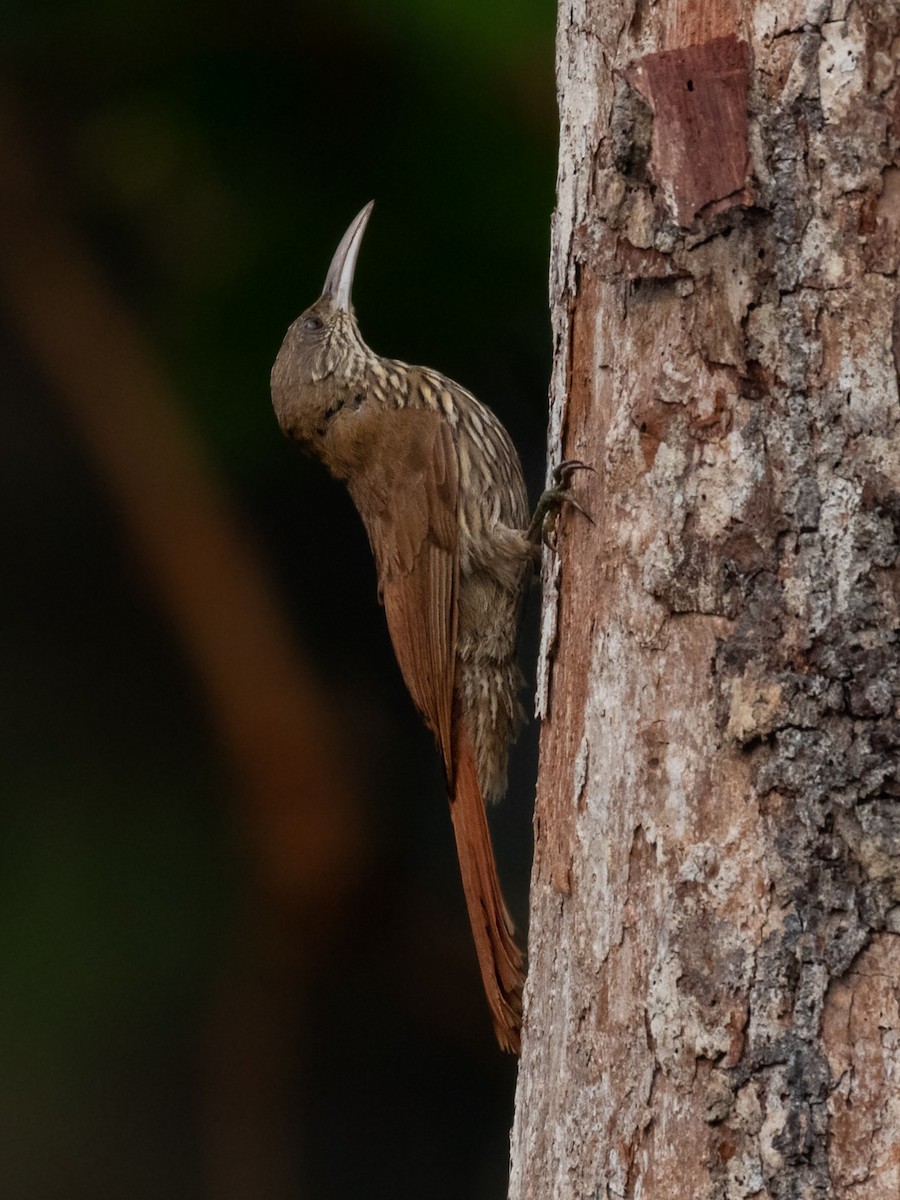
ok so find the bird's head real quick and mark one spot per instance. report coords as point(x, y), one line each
point(323, 351)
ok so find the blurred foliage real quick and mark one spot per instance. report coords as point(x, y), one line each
point(212, 156)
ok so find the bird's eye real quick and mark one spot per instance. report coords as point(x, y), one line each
point(312, 324)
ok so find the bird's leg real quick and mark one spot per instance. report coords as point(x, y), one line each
point(546, 513)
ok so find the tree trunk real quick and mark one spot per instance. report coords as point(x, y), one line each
point(713, 1006)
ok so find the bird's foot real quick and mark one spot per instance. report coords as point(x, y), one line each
point(551, 503)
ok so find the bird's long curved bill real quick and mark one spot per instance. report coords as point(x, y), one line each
point(339, 280)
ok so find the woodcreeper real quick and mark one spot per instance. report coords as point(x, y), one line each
point(438, 484)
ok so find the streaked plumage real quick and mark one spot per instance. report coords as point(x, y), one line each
point(439, 487)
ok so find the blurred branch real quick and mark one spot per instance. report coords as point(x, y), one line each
point(301, 810)
point(271, 717)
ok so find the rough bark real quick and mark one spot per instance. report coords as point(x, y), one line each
point(713, 1006)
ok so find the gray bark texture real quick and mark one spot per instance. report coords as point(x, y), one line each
point(713, 1005)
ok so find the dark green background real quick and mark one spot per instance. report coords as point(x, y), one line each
point(211, 156)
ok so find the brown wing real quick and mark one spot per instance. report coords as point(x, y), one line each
point(408, 500)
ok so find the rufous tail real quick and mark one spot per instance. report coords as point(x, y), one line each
point(499, 957)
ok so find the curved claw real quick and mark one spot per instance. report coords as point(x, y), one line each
point(543, 523)
point(563, 472)
point(568, 498)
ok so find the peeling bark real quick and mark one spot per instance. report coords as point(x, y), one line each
point(713, 1005)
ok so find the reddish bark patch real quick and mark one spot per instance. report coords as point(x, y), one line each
point(859, 1023)
point(653, 418)
point(880, 225)
point(700, 157)
point(622, 260)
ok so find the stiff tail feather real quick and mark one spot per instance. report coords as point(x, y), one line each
point(499, 957)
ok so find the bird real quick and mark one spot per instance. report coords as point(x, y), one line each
point(438, 484)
